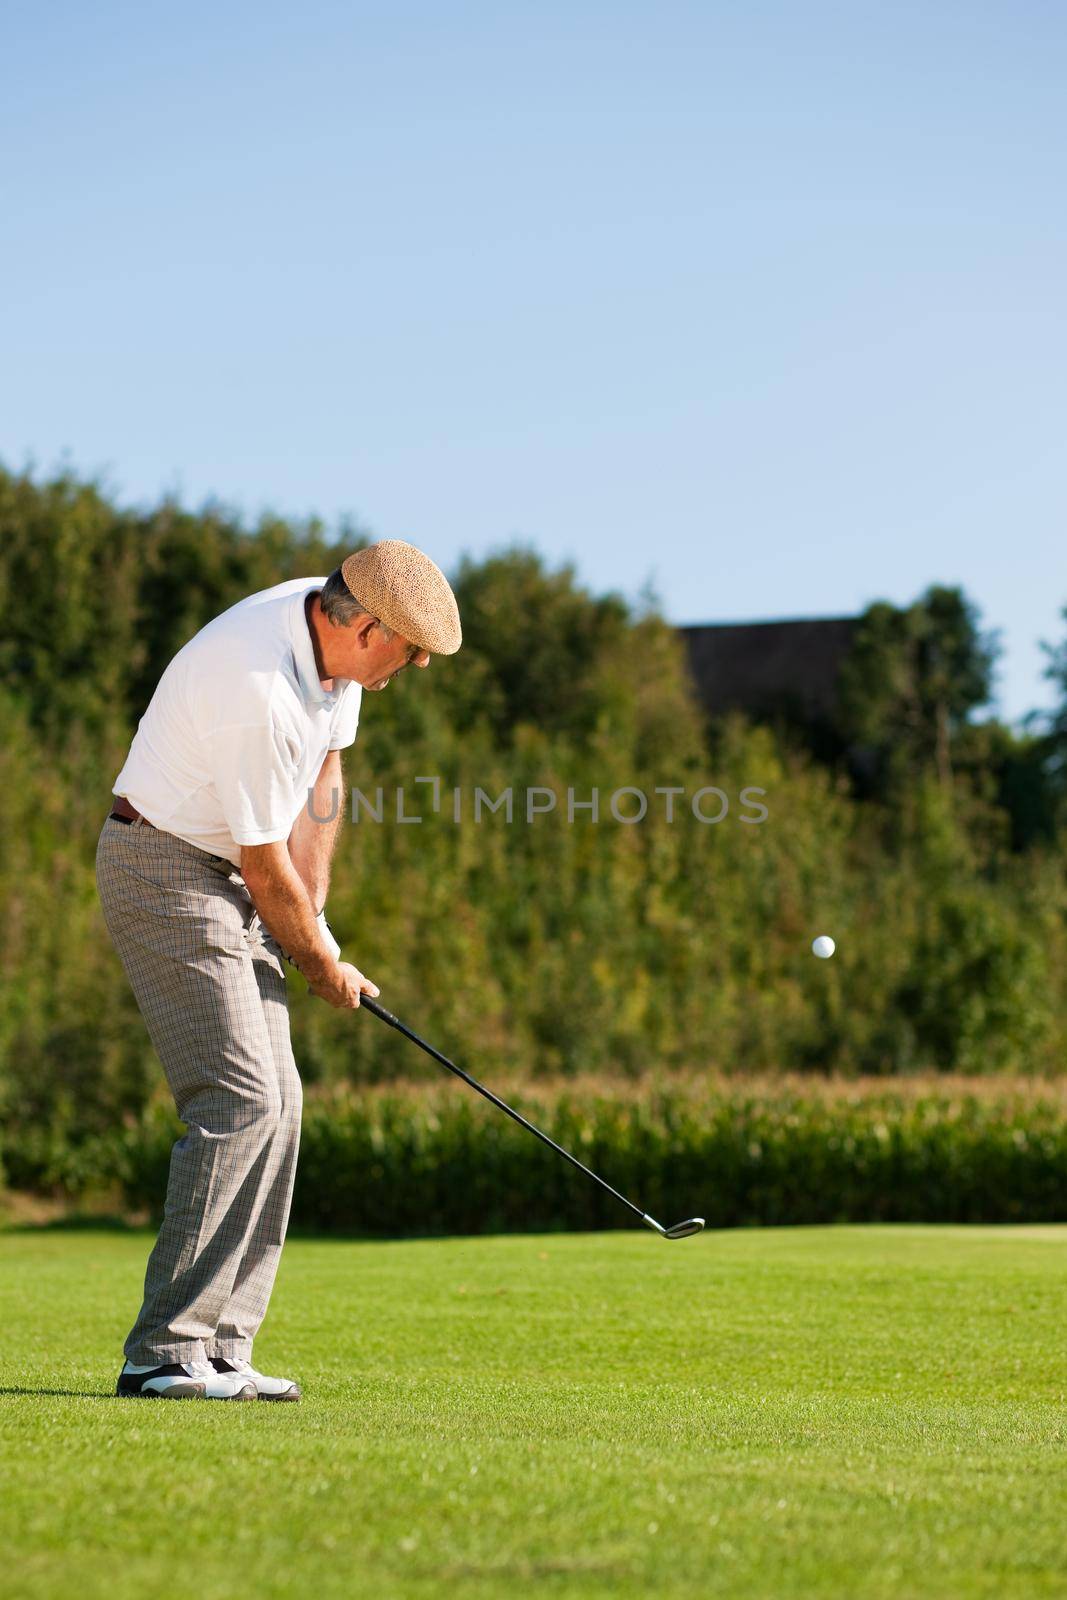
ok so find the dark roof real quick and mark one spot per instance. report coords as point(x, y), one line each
point(766, 667)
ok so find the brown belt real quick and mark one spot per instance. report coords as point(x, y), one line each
point(122, 811)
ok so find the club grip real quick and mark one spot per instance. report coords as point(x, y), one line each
point(368, 1003)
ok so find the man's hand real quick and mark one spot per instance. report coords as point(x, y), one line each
point(285, 910)
point(343, 987)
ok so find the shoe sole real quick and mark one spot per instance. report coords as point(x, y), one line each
point(176, 1391)
point(184, 1391)
point(291, 1395)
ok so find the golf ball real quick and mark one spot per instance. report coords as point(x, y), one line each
point(823, 947)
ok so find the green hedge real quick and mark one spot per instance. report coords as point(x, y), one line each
point(435, 1160)
point(559, 948)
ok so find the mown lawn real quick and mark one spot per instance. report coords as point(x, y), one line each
point(817, 1412)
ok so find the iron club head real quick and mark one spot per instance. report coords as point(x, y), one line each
point(681, 1230)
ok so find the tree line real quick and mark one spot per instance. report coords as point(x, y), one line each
point(928, 840)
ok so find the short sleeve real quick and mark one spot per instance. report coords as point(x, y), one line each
point(254, 768)
point(346, 718)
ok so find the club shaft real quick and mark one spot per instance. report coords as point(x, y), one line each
point(369, 1004)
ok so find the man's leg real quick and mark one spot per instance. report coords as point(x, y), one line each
point(178, 920)
point(240, 1320)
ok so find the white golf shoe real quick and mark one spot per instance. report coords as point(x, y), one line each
point(191, 1380)
point(266, 1388)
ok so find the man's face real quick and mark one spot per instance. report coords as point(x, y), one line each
point(397, 653)
point(372, 659)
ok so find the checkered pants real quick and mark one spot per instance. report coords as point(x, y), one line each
point(210, 985)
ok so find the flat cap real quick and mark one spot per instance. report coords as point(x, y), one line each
point(403, 588)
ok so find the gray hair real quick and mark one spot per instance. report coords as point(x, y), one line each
point(340, 606)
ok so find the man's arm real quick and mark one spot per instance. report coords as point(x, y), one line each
point(281, 899)
point(311, 843)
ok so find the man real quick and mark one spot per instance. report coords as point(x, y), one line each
point(212, 867)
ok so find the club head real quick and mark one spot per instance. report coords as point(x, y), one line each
point(682, 1230)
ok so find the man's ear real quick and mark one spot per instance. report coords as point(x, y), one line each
point(363, 629)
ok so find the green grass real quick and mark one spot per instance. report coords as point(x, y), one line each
point(817, 1412)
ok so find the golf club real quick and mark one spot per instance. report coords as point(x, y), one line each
point(680, 1230)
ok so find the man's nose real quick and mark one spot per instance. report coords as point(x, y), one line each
point(422, 660)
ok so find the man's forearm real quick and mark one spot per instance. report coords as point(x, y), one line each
point(311, 843)
point(284, 907)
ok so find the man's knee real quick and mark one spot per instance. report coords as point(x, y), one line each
point(292, 1096)
point(223, 1112)
point(265, 1112)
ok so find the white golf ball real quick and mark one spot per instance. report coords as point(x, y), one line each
point(823, 947)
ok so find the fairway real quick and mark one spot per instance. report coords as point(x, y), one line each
point(823, 1412)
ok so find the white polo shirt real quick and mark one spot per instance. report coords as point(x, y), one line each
point(238, 727)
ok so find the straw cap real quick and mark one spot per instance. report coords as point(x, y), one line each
point(403, 588)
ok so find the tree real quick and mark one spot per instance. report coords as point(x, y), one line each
point(911, 679)
point(1056, 671)
point(541, 651)
point(1056, 764)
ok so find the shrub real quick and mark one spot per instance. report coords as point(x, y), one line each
point(432, 1159)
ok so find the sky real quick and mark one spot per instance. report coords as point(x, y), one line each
point(761, 305)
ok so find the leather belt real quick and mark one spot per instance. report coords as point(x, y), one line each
point(122, 811)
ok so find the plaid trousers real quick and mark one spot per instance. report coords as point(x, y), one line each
point(210, 985)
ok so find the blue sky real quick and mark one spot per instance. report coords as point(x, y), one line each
point(763, 303)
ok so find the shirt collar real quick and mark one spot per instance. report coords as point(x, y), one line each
point(304, 652)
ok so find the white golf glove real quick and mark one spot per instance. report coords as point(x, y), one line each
point(324, 928)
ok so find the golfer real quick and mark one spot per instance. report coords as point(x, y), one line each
point(213, 868)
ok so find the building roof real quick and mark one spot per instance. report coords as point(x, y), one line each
point(763, 668)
